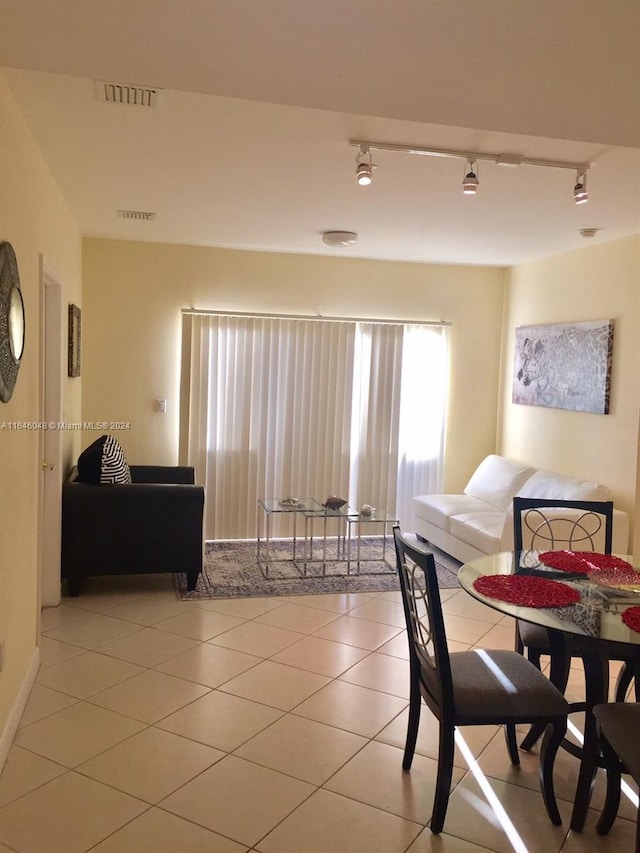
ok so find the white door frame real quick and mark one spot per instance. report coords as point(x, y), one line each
point(51, 413)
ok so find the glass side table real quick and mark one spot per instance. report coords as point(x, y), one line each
point(357, 520)
point(326, 515)
point(267, 509)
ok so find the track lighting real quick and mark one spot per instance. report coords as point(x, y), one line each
point(470, 180)
point(580, 194)
point(364, 168)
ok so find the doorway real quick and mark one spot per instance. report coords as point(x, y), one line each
point(50, 481)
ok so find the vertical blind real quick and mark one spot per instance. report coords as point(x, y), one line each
point(275, 407)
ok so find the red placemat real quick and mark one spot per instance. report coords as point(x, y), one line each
point(618, 577)
point(526, 591)
point(582, 561)
point(631, 618)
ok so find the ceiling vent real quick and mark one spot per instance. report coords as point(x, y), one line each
point(145, 215)
point(148, 97)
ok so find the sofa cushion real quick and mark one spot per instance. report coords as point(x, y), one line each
point(103, 462)
point(482, 530)
point(438, 509)
point(496, 480)
point(548, 484)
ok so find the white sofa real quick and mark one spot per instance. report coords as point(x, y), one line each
point(480, 521)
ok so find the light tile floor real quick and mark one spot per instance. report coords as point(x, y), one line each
point(273, 725)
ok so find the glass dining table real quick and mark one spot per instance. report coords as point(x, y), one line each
point(595, 605)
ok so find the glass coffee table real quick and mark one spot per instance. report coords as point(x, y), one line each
point(350, 524)
point(326, 516)
point(268, 510)
point(357, 520)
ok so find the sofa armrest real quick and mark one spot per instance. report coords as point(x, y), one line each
point(162, 474)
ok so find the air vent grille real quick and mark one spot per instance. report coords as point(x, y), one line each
point(145, 215)
point(128, 95)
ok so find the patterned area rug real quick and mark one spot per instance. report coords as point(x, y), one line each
point(231, 570)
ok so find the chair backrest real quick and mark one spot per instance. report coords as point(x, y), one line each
point(428, 652)
point(544, 524)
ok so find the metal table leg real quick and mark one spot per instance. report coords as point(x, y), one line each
point(267, 540)
point(324, 545)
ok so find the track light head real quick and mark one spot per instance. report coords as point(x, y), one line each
point(580, 194)
point(363, 174)
point(364, 167)
point(470, 181)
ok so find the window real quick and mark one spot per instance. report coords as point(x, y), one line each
point(276, 407)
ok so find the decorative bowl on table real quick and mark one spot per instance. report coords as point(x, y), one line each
point(334, 502)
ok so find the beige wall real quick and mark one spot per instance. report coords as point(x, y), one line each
point(133, 294)
point(35, 219)
point(599, 282)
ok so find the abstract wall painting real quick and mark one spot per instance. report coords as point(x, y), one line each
point(564, 366)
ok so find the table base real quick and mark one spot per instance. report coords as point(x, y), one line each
point(596, 670)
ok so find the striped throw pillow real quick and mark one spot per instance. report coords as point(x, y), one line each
point(104, 462)
point(114, 467)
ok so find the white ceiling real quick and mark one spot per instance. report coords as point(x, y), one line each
point(249, 148)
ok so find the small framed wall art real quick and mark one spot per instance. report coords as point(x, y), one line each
point(75, 340)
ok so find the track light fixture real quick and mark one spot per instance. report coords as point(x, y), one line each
point(580, 194)
point(364, 167)
point(470, 180)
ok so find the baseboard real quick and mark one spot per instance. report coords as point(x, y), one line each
point(9, 732)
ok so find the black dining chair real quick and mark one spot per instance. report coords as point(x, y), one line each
point(618, 725)
point(468, 688)
point(549, 524)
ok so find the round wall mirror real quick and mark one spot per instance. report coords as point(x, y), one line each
point(12, 321)
point(16, 323)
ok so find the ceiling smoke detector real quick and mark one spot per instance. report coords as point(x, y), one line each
point(340, 238)
point(147, 97)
